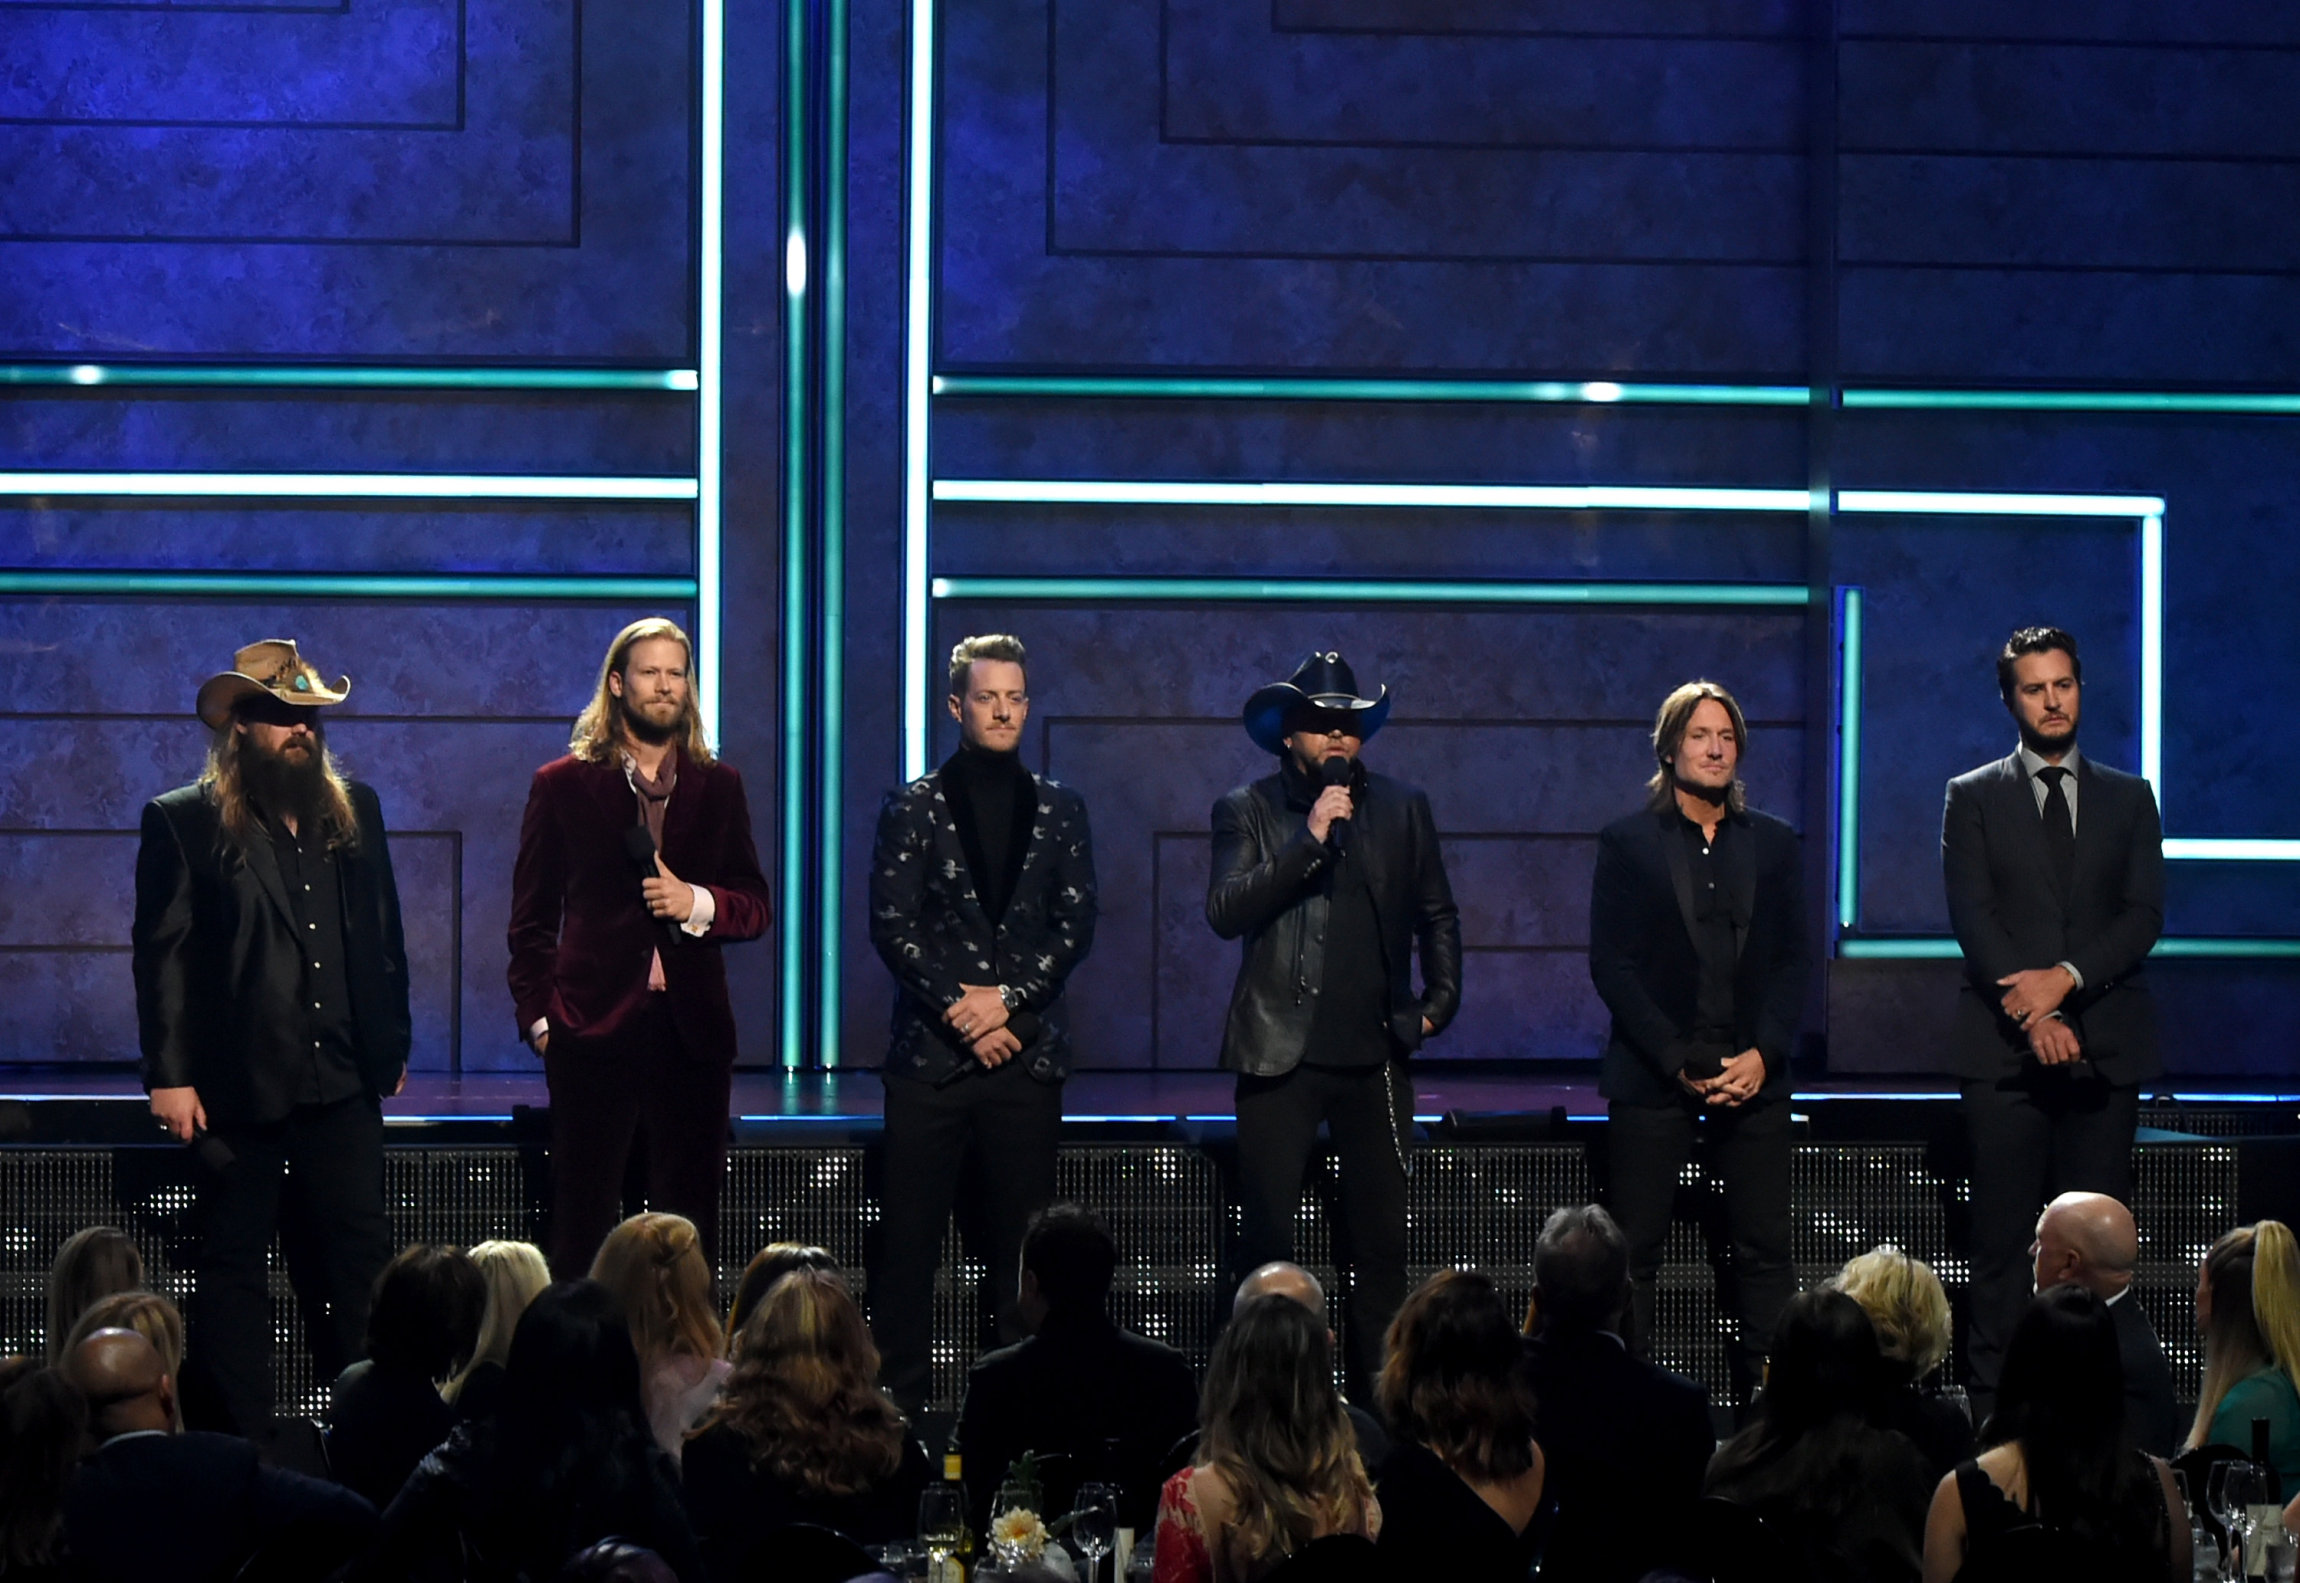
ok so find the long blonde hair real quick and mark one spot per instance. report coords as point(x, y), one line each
point(1905, 1304)
point(655, 1267)
point(225, 779)
point(515, 1272)
point(94, 1262)
point(599, 728)
point(2253, 1274)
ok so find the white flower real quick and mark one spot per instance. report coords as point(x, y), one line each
point(1019, 1530)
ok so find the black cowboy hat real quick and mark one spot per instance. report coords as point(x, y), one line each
point(1323, 681)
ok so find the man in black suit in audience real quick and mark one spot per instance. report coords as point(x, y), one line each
point(155, 1502)
point(1626, 1441)
point(1697, 946)
point(2055, 872)
point(1105, 1402)
point(2089, 1238)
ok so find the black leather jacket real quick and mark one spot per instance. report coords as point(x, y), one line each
point(1269, 886)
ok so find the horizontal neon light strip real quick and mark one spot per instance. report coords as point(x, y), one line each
point(1950, 503)
point(346, 486)
point(1513, 390)
point(2224, 849)
point(2073, 401)
point(323, 585)
point(1941, 949)
point(291, 376)
point(1360, 591)
point(1539, 497)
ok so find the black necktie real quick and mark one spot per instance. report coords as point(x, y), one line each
point(2059, 829)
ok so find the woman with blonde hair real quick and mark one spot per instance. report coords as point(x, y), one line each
point(516, 1274)
point(1909, 1311)
point(1277, 1463)
point(802, 1434)
point(2248, 1311)
point(94, 1262)
point(654, 1266)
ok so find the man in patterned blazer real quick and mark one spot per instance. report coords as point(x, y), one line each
point(981, 904)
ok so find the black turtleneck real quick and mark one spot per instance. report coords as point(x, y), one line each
point(992, 802)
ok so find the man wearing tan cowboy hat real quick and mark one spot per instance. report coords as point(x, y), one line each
point(1332, 881)
point(271, 1001)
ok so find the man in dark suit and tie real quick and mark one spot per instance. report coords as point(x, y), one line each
point(2055, 873)
point(1697, 947)
point(981, 905)
point(2089, 1238)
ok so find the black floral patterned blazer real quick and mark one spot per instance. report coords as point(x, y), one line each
point(934, 934)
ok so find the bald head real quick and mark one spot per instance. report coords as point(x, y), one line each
point(2088, 1238)
point(1280, 1279)
point(126, 1384)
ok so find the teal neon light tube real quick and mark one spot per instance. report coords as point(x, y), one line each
point(1599, 391)
point(343, 376)
point(1479, 497)
point(348, 585)
point(917, 361)
point(344, 486)
point(1366, 591)
point(710, 377)
point(2230, 849)
point(1942, 949)
point(1924, 502)
point(2231, 402)
point(830, 815)
point(1849, 759)
point(795, 568)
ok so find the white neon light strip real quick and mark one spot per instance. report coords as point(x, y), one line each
point(2230, 849)
point(1506, 497)
point(1940, 502)
point(918, 327)
point(710, 405)
point(2152, 653)
point(347, 486)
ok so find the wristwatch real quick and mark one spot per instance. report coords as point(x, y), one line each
point(1010, 997)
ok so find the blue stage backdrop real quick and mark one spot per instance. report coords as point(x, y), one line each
point(993, 315)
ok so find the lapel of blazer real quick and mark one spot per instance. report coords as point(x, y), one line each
point(1680, 866)
point(266, 868)
point(1029, 835)
point(683, 813)
point(2092, 796)
point(609, 783)
point(1741, 883)
point(949, 851)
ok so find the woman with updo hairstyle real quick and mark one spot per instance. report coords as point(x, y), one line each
point(1463, 1479)
point(2248, 1311)
point(1909, 1310)
point(802, 1433)
point(1277, 1463)
point(94, 1262)
point(655, 1266)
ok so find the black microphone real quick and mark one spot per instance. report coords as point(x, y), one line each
point(1337, 771)
point(639, 846)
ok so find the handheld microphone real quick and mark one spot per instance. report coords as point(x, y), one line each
point(1337, 771)
point(639, 846)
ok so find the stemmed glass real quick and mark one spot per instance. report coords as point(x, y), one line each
point(941, 1526)
point(2235, 1488)
point(1094, 1524)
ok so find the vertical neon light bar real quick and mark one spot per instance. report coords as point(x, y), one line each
point(2152, 654)
point(709, 375)
point(794, 732)
point(830, 825)
point(918, 326)
point(1848, 758)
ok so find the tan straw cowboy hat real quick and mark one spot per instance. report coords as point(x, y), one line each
point(272, 667)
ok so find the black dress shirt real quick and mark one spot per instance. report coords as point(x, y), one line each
point(1350, 1027)
point(315, 900)
point(1712, 927)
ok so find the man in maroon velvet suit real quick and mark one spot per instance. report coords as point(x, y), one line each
point(635, 865)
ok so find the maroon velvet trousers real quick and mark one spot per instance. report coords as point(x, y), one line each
point(636, 1088)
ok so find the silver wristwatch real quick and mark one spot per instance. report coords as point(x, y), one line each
point(1010, 997)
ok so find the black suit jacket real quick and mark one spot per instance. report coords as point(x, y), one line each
point(2009, 914)
point(2151, 1411)
point(934, 934)
point(1268, 885)
point(1642, 959)
point(196, 1506)
point(1627, 1444)
point(220, 972)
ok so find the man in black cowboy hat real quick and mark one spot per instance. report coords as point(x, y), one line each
point(271, 1001)
point(1332, 878)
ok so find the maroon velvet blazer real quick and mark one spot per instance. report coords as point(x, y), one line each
point(581, 937)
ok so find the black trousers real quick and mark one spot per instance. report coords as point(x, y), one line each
point(2033, 1136)
point(996, 1129)
point(315, 1179)
point(641, 1088)
point(1747, 1147)
point(1368, 1112)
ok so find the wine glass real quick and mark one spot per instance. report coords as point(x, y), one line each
point(2236, 1487)
point(941, 1526)
point(1094, 1524)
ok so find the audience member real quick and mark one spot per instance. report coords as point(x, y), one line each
point(44, 1419)
point(1847, 1495)
point(617, 1561)
point(565, 1460)
point(655, 1266)
point(2089, 1238)
point(1909, 1310)
point(2248, 1311)
point(421, 1327)
point(1625, 1442)
point(149, 1315)
point(1291, 1281)
point(1463, 1480)
point(155, 1502)
point(514, 1272)
point(769, 1265)
point(2058, 1458)
point(1094, 1402)
point(803, 1434)
point(92, 1263)
point(1276, 1465)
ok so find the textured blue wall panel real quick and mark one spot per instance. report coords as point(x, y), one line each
point(541, 537)
point(1503, 18)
